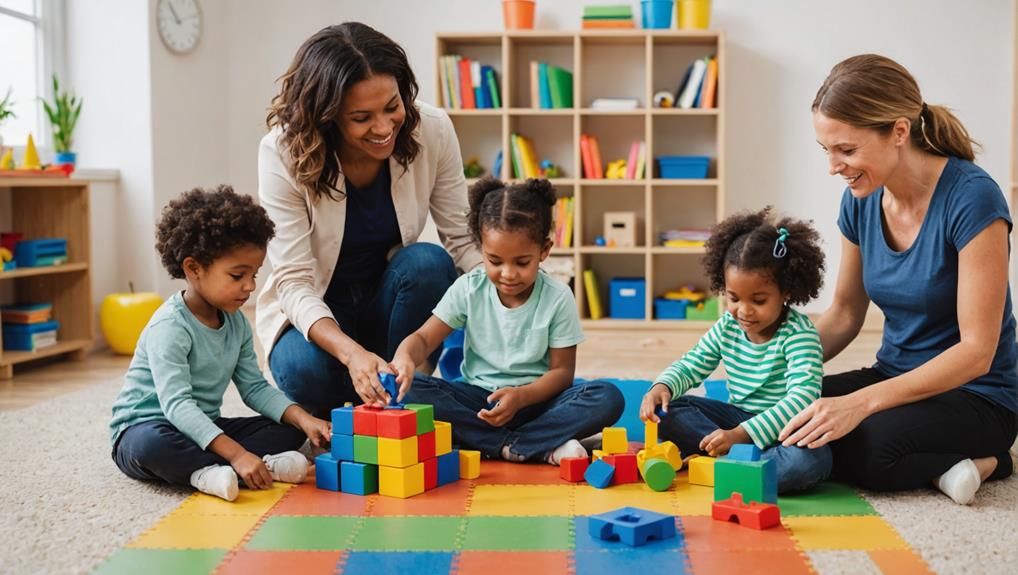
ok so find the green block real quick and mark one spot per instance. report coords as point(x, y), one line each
point(304, 533)
point(408, 534)
point(825, 499)
point(709, 311)
point(658, 474)
point(425, 417)
point(365, 449)
point(544, 533)
point(755, 480)
point(161, 561)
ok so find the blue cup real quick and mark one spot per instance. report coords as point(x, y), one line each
point(657, 14)
point(65, 158)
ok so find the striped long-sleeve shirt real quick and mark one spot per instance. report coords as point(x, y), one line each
point(775, 380)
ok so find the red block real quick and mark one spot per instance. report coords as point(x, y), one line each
point(365, 420)
point(397, 423)
point(425, 446)
point(430, 473)
point(626, 470)
point(756, 515)
point(573, 468)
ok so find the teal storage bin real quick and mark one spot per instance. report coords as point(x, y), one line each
point(683, 167)
point(670, 308)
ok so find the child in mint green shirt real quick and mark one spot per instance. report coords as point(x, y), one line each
point(516, 399)
point(166, 424)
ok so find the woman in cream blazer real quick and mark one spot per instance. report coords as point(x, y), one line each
point(349, 172)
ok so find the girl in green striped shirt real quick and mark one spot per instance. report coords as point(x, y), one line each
point(771, 352)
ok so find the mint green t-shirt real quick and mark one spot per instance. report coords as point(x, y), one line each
point(181, 369)
point(509, 347)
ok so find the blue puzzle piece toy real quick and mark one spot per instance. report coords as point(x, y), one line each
point(632, 525)
point(599, 474)
point(744, 452)
point(392, 388)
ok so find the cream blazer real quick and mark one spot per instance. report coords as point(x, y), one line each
point(309, 232)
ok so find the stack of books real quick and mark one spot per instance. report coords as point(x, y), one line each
point(550, 86)
point(524, 158)
point(590, 155)
point(563, 218)
point(28, 327)
point(699, 86)
point(614, 16)
point(684, 237)
point(615, 103)
point(468, 84)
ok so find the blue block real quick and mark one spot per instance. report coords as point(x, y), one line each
point(587, 541)
point(632, 525)
point(342, 421)
point(744, 452)
point(391, 387)
point(599, 474)
point(626, 296)
point(342, 447)
point(449, 467)
point(326, 472)
point(359, 478)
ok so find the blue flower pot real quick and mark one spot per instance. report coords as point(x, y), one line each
point(65, 158)
point(657, 14)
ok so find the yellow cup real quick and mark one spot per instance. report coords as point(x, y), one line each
point(693, 14)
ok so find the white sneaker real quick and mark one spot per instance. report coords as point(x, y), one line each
point(961, 482)
point(218, 480)
point(310, 452)
point(571, 448)
point(287, 467)
point(593, 442)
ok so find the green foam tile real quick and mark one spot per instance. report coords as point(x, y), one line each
point(408, 534)
point(546, 533)
point(825, 499)
point(304, 533)
point(161, 561)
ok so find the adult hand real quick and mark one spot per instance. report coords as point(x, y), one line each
point(507, 401)
point(825, 420)
point(364, 368)
point(720, 441)
point(252, 470)
point(659, 395)
point(319, 431)
point(404, 368)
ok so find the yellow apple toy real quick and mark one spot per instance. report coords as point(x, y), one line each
point(124, 315)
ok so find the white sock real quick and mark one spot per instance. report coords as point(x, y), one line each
point(571, 448)
point(508, 455)
point(961, 482)
point(218, 480)
point(593, 442)
point(287, 467)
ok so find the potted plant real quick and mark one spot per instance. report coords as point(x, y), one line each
point(63, 116)
point(6, 111)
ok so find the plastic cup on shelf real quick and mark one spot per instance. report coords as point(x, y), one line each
point(518, 14)
point(693, 14)
point(657, 14)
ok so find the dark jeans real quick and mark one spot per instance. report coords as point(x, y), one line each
point(581, 410)
point(156, 451)
point(906, 447)
point(378, 315)
point(691, 418)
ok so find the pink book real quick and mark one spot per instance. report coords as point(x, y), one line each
point(634, 152)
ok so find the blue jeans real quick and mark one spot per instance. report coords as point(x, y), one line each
point(690, 419)
point(378, 315)
point(157, 451)
point(581, 410)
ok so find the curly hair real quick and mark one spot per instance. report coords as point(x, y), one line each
point(308, 104)
point(518, 207)
point(747, 241)
point(205, 224)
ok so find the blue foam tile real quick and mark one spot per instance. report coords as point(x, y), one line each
point(633, 390)
point(632, 560)
point(584, 541)
point(342, 447)
point(418, 563)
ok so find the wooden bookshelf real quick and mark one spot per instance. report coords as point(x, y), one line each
point(607, 63)
point(51, 208)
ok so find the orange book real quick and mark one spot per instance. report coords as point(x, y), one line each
point(466, 86)
point(710, 86)
point(588, 161)
point(595, 156)
point(608, 24)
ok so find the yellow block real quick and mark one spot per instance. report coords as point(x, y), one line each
point(669, 452)
point(470, 464)
point(397, 452)
point(443, 438)
point(641, 458)
point(614, 440)
point(401, 482)
point(31, 159)
point(596, 454)
point(701, 470)
point(649, 434)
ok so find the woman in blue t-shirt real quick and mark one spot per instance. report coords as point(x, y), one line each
point(925, 239)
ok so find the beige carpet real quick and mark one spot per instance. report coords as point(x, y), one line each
point(64, 506)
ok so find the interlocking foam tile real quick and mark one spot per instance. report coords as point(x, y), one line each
point(518, 533)
point(638, 560)
point(161, 561)
point(187, 531)
point(900, 562)
point(866, 533)
point(293, 533)
point(692, 499)
point(522, 500)
point(825, 499)
point(584, 541)
point(756, 562)
point(591, 501)
point(306, 499)
point(854, 562)
point(511, 563)
point(408, 534)
point(707, 534)
point(270, 562)
point(448, 499)
point(248, 502)
point(373, 563)
point(505, 473)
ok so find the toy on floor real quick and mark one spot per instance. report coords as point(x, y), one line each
point(743, 471)
point(632, 526)
point(656, 464)
point(701, 470)
point(752, 514)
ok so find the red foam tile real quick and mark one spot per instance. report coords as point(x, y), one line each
point(505, 473)
point(506, 563)
point(900, 562)
point(306, 499)
point(707, 534)
point(449, 499)
point(246, 562)
point(757, 562)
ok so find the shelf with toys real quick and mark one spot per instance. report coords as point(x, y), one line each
point(631, 125)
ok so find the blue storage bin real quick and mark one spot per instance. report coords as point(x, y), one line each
point(626, 298)
point(670, 308)
point(683, 167)
point(42, 252)
point(21, 336)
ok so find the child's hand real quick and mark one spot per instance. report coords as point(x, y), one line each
point(404, 369)
point(364, 368)
point(252, 470)
point(319, 431)
point(659, 395)
point(720, 441)
point(506, 402)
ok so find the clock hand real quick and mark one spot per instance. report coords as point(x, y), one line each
point(173, 11)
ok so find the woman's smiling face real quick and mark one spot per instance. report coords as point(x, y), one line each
point(371, 116)
point(864, 158)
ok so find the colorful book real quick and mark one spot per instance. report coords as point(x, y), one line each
point(608, 11)
point(586, 159)
point(595, 156)
point(452, 65)
point(535, 91)
point(710, 85)
point(593, 294)
point(606, 24)
point(634, 153)
point(492, 84)
point(475, 82)
point(688, 96)
point(26, 313)
point(641, 162)
point(543, 91)
point(466, 88)
point(560, 84)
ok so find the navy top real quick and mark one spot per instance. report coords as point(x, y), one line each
point(371, 230)
point(917, 289)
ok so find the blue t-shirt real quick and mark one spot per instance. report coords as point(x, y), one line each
point(917, 289)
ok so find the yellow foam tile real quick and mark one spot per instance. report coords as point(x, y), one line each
point(522, 500)
point(248, 502)
point(182, 530)
point(841, 532)
point(590, 500)
point(692, 499)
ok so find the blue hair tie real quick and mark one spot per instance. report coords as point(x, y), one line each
point(780, 249)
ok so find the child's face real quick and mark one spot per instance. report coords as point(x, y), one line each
point(511, 260)
point(227, 283)
point(371, 116)
point(755, 301)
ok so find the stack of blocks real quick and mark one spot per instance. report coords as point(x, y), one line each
point(743, 471)
point(614, 465)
